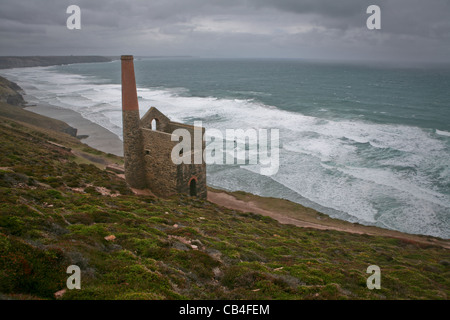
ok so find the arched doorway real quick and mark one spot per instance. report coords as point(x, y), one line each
point(155, 124)
point(193, 188)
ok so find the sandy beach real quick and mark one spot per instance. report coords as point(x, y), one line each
point(97, 136)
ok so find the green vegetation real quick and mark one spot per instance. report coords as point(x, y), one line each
point(18, 114)
point(56, 211)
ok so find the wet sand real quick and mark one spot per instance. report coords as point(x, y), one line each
point(98, 137)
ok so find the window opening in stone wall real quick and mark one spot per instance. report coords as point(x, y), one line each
point(193, 188)
point(155, 124)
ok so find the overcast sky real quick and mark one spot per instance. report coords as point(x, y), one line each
point(411, 30)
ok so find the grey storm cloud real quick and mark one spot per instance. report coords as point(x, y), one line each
point(342, 8)
point(332, 29)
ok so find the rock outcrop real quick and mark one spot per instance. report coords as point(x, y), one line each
point(10, 93)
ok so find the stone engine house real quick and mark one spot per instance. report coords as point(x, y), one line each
point(148, 147)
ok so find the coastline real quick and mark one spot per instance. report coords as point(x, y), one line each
point(97, 137)
point(75, 212)
point(284, 211)
point(8, 62)
point(88, 132)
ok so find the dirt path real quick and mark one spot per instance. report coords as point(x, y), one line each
point(230, 202)
point(308, 218)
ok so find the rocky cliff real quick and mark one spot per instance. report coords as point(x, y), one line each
point(11, 106)
point(10, 92)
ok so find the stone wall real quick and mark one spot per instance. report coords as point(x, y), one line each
point(133, 150)
point(160, 171)
point(164, 177)
point(175, 125)
point(187, 172)
point(162, 122)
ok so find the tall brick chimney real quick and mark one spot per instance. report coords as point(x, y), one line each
point(132, 136)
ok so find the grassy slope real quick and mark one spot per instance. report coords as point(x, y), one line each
point(289, 212)
point(177, 248)
point(19, 114)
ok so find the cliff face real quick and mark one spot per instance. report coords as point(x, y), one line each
point(38, 61)
point(10, 92)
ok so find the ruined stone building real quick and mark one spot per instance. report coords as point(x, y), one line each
point(148, 147)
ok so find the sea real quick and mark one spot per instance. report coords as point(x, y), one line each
point(365, 143)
